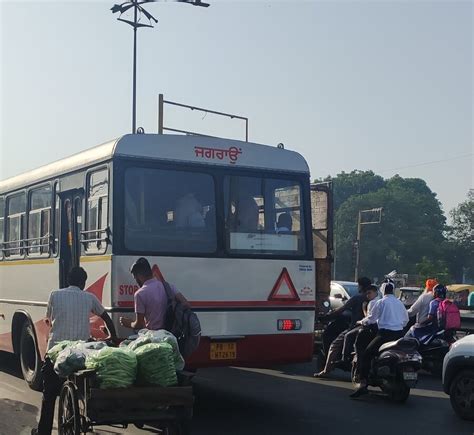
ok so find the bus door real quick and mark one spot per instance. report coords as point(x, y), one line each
point(322, 224)
point(71, 227)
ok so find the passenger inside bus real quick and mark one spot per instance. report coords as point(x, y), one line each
point(245, 217)
point(284, 223)
point(188, 212)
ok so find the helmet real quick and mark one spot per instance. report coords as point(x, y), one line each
point(440, 291)
point(430, 284)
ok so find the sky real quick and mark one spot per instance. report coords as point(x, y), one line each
point(380, 85)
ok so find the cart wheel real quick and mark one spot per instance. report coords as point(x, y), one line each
point(69, 417)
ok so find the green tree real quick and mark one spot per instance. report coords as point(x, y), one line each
point(438, 269)
point(460, 245)
point(346, 185)
point(412, 228)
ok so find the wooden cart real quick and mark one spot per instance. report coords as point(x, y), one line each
point(83, 405)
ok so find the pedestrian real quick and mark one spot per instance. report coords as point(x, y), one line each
point(355, 306)
point(150, 299)
point(391, 316)
point(68, 311)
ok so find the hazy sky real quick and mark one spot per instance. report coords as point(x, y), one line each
point(351, 85)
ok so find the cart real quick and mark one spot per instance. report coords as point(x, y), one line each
point(83, 405)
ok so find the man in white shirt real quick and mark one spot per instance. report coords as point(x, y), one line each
point(391, 316)
point(421, 306)
point(69, 310)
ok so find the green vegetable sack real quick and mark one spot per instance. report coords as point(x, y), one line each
point(115, 367)
point(57, 348)
point(156, 364)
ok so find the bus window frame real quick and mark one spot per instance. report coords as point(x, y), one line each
point(85, 243)
point(56, 219)
point(48, 250)
point(120, 164)
point(2, 225)
point(269, 209)
point(23, 222)
point(197, 169)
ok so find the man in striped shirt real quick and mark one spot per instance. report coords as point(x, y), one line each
point(69, 310)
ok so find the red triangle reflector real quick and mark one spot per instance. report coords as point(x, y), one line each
point(284, 289)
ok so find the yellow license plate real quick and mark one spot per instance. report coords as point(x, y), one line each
point(223, 351)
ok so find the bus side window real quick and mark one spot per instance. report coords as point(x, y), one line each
point(97, 214)
point(2, 223)
point(39, 221)
point(16, 205)
point(57, 219)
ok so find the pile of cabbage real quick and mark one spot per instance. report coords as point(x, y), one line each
point(151, 359)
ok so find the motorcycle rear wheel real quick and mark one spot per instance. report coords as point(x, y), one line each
point(397, 391)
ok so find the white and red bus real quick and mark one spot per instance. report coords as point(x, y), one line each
point(228, 222)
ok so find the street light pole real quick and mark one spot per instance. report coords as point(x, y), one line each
point(359, 234)
point(357, 259)
point(134, 96)
point(138, 12)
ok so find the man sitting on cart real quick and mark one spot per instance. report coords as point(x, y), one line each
point(150, 300)
point(68, 311)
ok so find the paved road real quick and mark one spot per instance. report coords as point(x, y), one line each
point(275, 402)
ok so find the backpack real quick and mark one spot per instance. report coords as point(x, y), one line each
point(449, 316)
point(182, 322)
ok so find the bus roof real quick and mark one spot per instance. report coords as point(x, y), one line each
point(177, 148)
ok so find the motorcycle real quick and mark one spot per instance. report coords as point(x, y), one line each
point(434, 349)
point(325, 332)
point(395, 368)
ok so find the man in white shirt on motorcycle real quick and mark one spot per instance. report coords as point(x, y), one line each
point(391, 316)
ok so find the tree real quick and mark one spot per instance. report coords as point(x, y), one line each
point(412, 228)
point(346, 185)
point(438, 269)
point(460, 244)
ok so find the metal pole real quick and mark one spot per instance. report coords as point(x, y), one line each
point(160, 113)
point(359, 233)
point(134, 97)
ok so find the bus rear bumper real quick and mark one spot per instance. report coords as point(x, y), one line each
point(255, 351)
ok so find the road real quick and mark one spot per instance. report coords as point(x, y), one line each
point(281, 401)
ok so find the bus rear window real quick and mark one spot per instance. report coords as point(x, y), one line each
point(169, 211)
point(263, 216)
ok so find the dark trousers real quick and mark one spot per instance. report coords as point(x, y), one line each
point(383, 336)
point(52, 384)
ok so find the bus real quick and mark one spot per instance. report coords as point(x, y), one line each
point(227, 222)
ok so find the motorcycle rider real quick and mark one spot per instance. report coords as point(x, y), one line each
point(429, 326)
point(353, 336)
point(391, 316)
point(421, 306)
point(355, 306)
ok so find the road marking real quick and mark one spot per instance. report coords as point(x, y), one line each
point(334, 383)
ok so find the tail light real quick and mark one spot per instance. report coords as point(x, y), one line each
point(289, 324)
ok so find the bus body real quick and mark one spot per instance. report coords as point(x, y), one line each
point(227, 222)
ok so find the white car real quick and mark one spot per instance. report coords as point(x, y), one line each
point(458, 377)
point(341, 292)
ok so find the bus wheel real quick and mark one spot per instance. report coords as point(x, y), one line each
point(29, 357)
